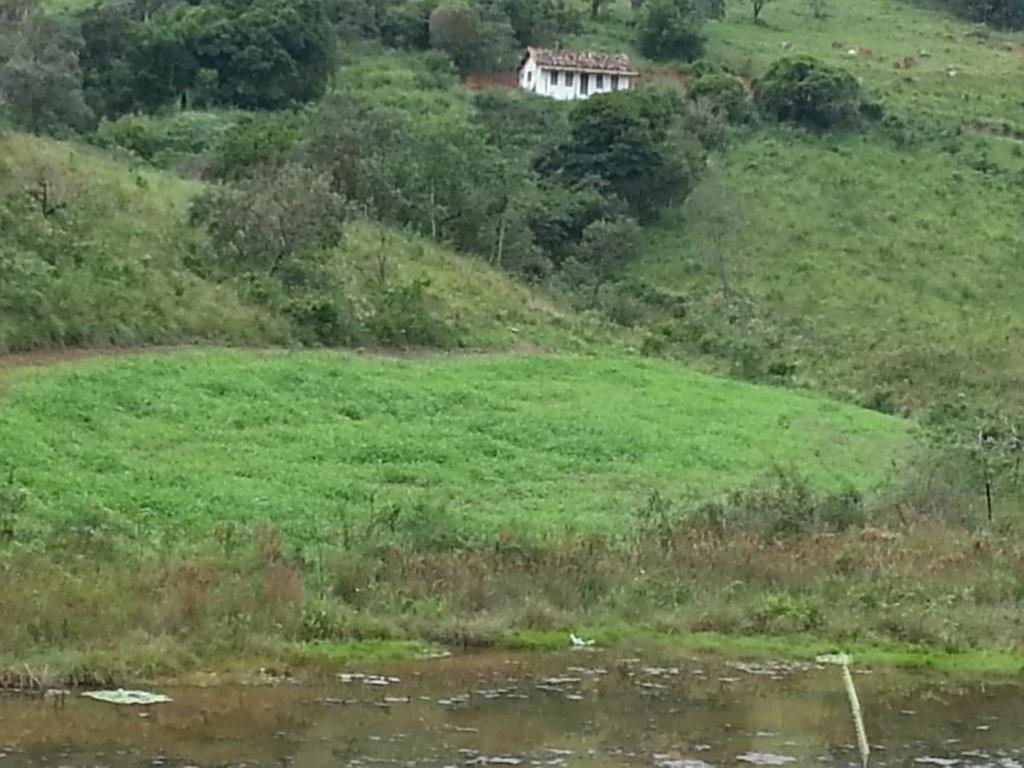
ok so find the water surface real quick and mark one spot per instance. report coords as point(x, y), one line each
point(599, 708)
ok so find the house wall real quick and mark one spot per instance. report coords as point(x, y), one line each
point(536, 80)
point(529, 76)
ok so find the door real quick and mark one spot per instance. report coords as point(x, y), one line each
point(584, 83)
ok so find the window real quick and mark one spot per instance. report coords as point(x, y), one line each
point(584, 83)
point(615, 82)
point(529, 77)
point(600, 83)
point(554, 77)
point(568, 79)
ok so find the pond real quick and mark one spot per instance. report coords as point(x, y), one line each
point(587, 707)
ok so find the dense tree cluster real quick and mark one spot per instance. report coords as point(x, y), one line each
point(671, 29)
point(248, 53)
point(999, 13)
point(801, 89)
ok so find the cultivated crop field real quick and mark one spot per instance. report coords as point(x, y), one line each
point(172, 446)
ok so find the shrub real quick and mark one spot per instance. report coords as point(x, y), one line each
point(402, 317)
point(670, 29)
point(724, 92)
point(276, 225)
point(254, 142)
point(321, 320)
point(476, 39)
point(163, 140)
point(803, 90)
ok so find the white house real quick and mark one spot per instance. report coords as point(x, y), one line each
point(567, 75)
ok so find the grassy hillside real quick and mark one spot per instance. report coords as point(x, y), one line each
point(109, 264)
point(881, 264)
point(175, 445)
point(104, 263)
point(988, 62)
point(892, 273)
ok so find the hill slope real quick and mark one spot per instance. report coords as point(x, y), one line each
point(94, 253)
point(313, 442)
point(97, 251)
point(881, 264)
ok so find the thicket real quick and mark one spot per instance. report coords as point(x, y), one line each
point(801, 89)
point(999, 13)
point(671, 29)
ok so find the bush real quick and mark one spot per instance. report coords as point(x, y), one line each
point(724, 92)
point(804, 90)
point(476, 39)
point(402, 317)
point(670, 29)
point(321, 320)
point(255, 142)
point(276, 225)
point(164, 140)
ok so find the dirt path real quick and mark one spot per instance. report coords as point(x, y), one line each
point(41, 357)
point(46, 357)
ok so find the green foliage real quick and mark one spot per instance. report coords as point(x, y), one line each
point(999, 13)
point(518, 123)
point(307, 441)
point(407, 24)
point(276, 224)
point(723, 91)
point(402, 318)
point(541, 22)
point(262, 54)
point(434, 172)
point(624, 140)
point(94, 253)
point(784, 505)
point(670, 29)
point(475, 38)
point(40, 80)
point(14, 505)
point(804, 90)
point(180, 140)
point(256, 141)
point(355, 19)
point(91, 254)
point(605, 248)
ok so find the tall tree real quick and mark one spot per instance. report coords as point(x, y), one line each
point(266, 54)
point(716, 214)
point(274, 225)
point(259, 54)
point(475, 38)
point(670, 29)
point(40, 78)
point(623, 139)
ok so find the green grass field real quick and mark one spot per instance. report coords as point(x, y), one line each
point(171, 445)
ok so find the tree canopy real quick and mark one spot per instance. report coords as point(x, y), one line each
point(625, 140)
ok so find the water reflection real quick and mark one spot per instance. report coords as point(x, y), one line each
point(581, 708)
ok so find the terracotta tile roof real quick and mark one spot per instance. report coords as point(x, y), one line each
point(582, 61)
